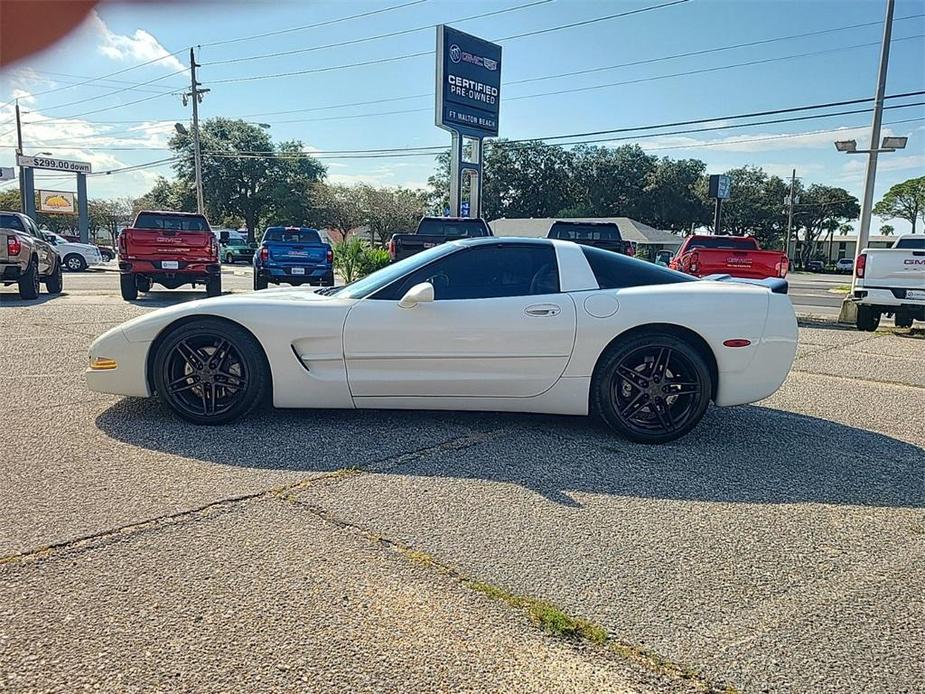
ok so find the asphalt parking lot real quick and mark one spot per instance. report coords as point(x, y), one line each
point(780, 547)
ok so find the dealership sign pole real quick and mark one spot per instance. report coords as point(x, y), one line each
point(468, 99)
point(27, 163)
point(720, 189)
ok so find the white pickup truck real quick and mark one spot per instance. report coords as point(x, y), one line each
point(891, 281)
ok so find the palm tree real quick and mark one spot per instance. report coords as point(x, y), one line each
point(887, 230)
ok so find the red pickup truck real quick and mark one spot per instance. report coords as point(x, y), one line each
point(739, 256)
point(170, 249)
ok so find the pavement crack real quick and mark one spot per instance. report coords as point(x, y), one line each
point(454, 444)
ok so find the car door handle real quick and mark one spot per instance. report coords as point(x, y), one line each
point(547, 310)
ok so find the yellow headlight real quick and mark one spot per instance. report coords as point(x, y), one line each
point(103, 364)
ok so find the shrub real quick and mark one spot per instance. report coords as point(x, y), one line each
point(355, 258)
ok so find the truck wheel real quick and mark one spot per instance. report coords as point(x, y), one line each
point(260, 282)
point(214, 286)
point(55, 281)
point(229, 259)
point(328, 281)
point(75, 263)
point(29, 281)
point(129, 287)
point(903, 320)
point(868, 319)
point(143, 284)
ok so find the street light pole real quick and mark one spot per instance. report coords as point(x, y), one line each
point(22, 183)
point(867, 205)
point(793, 184)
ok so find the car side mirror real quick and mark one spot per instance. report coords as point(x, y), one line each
point(418, 294)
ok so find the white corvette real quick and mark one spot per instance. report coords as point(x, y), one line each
point(522, 325)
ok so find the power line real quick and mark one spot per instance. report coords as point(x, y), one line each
point(135, 167)
point(364, 39)
point(119, 91)
point(405, 56)
point(312, 26)
point(105, 108)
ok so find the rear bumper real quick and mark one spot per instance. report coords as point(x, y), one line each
point(153, 268)
point(277, 273)
point(892, 298)
point(10, 272)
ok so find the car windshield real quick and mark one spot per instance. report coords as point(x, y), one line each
point(377, 280)
point(281, 235)
point(452, 227)
point(586, 232)
point(911, 243)
point(172, 222)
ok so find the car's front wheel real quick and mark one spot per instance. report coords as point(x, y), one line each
point(75, 263)
point(210, 372)
point(651, 388)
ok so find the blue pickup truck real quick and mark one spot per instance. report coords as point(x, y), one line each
point(294, 255)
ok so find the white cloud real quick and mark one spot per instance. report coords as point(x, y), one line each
point(138, 47)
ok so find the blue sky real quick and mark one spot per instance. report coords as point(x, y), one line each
point(124, 35)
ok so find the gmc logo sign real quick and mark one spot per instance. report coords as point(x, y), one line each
point(913, 261)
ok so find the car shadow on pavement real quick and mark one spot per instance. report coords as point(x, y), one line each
point(13, 300)
point(748, 454)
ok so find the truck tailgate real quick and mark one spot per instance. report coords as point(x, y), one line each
point(895, 268)
point(297, 252)
point(750, 264)
point(180, 245)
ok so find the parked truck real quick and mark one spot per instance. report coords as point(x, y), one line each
point(170, 249)
point(432, 231)
point(604, 235)
point(738, 256)
point(26, 259)
point(293, 255)
point(891, 281)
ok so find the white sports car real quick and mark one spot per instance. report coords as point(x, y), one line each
point(522, 325)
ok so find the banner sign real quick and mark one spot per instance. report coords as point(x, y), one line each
point(53, 164)
point(720, 187)
point(57, 201)
point(468, 83)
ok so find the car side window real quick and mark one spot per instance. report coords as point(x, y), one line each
point(11, 221)
point(485, 272)
point(616, 271)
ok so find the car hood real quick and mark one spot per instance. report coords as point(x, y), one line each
point(237, 307)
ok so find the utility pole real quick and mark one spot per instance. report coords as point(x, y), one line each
point(868, 204)
point(793, 184)
point(195, 94)
point(22, 183)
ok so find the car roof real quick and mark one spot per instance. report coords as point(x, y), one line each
point(171, 212)
point(506, 240)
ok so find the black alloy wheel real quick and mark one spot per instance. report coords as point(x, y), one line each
point(652, 388)
point(210, 372)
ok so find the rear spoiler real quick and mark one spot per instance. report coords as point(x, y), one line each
point(775, 284)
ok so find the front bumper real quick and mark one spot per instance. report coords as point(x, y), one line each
point(129, 376)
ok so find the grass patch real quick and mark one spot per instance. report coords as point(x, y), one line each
point(840, 289)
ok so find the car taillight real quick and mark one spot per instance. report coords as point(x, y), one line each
point(782, 266)
point(330, 255)
point(630, 251)
point(392, 248)
point(214, 247)
point(13, 245)
point(264, 254)
point(695, 261)
point(859, 265)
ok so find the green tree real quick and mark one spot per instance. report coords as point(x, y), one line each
point(245, 175)
point(166, 195)
point(391, 211)
point(887, 230)
point(905, 200)
point(612, 181)
point(672, 201)
point(822, 210)
point(756, 206)
point(339, 209)
point(109, 215)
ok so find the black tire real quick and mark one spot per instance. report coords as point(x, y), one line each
point(142, 283)
point(328, 281)
point(651, 388)
point(106, 255)
point(54, 283)
point(903, 320)
point(260, 282)
point(214, 285)
point(229, 259)
point(29, 281)
point(129, 287)
point(75, 263)
point(868, 319)
point(211, 372)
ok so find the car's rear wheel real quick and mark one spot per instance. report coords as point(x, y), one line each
point(210, 372)
point(651, 388)
point(229, 259)
point(903, 319)
point(28, 283)
point(868, 319)
point(75, 263)
point(128, 287)
point(54, 283)
point(260, 282)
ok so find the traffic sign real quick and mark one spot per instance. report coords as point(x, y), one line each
point(82, 167)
